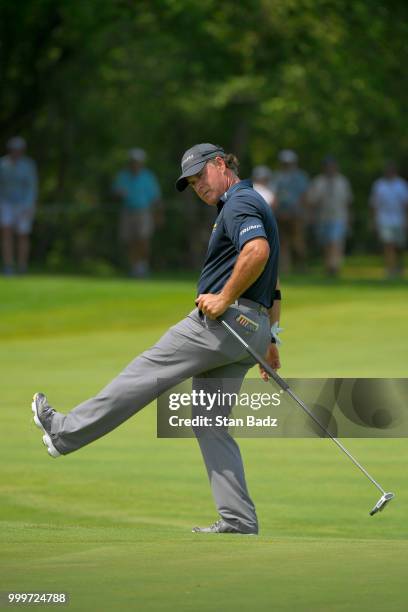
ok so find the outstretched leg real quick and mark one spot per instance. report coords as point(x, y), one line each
point(186, 350)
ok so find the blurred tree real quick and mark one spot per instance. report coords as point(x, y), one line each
point(84, 81)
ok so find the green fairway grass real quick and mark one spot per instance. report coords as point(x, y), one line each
point(111, 524)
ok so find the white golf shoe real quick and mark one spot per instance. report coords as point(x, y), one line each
point(43, 412)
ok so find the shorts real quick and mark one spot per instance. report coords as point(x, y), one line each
point(19, 217)
point(392, 235)
point(331, 231)
point(135, 225)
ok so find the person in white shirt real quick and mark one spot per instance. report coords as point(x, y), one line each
point(389, 201)
point(330, 196)
point(262, 182)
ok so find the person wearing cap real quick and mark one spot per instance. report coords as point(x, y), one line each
point(262, 178)
point(18, 195)
point(238, 281)
point(139, 192)
point(330, 197)
point(291, 185)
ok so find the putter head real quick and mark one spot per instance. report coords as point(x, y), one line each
point(382, 502)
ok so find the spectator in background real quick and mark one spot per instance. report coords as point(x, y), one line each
point(330, 196)
point(389, 200)
point(138, 190)
point(291, 184)
point(18, 195)
point(262, 180)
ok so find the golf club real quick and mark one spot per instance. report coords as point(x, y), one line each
point(385, 497)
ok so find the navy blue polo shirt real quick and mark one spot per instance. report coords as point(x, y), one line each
point(243, 215)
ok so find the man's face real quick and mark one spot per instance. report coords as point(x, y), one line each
point(391, 170)
point(263, 180)
point(16, 153)
point(288, 166)
point(135, 166)
point(331, 168)
point(211, 182)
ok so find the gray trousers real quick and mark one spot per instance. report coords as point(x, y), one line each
point(197, 348)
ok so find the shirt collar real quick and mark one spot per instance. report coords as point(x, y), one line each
point(241, 185)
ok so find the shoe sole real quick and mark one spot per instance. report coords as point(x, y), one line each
point(238, 533)
point(52, 451)
point(228, 533)
point(241, 533)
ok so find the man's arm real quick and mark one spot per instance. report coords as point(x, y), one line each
point(372, 203)
point(272, 353)
point(248, 267)
point(406, 203)
point(118, 188)
point(274, 312)
point(158, 212)
point(31, 184)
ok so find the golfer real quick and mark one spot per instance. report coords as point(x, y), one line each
point(238, 282)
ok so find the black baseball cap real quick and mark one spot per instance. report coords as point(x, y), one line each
point(194, 160)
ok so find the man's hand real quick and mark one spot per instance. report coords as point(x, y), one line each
point(272, 358)
point(211, 304)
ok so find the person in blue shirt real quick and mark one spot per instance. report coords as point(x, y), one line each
point(18, 195)
point(239, 281)
point(291, 184)
point(139, 192)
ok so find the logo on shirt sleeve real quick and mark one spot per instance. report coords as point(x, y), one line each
point(249, 228)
